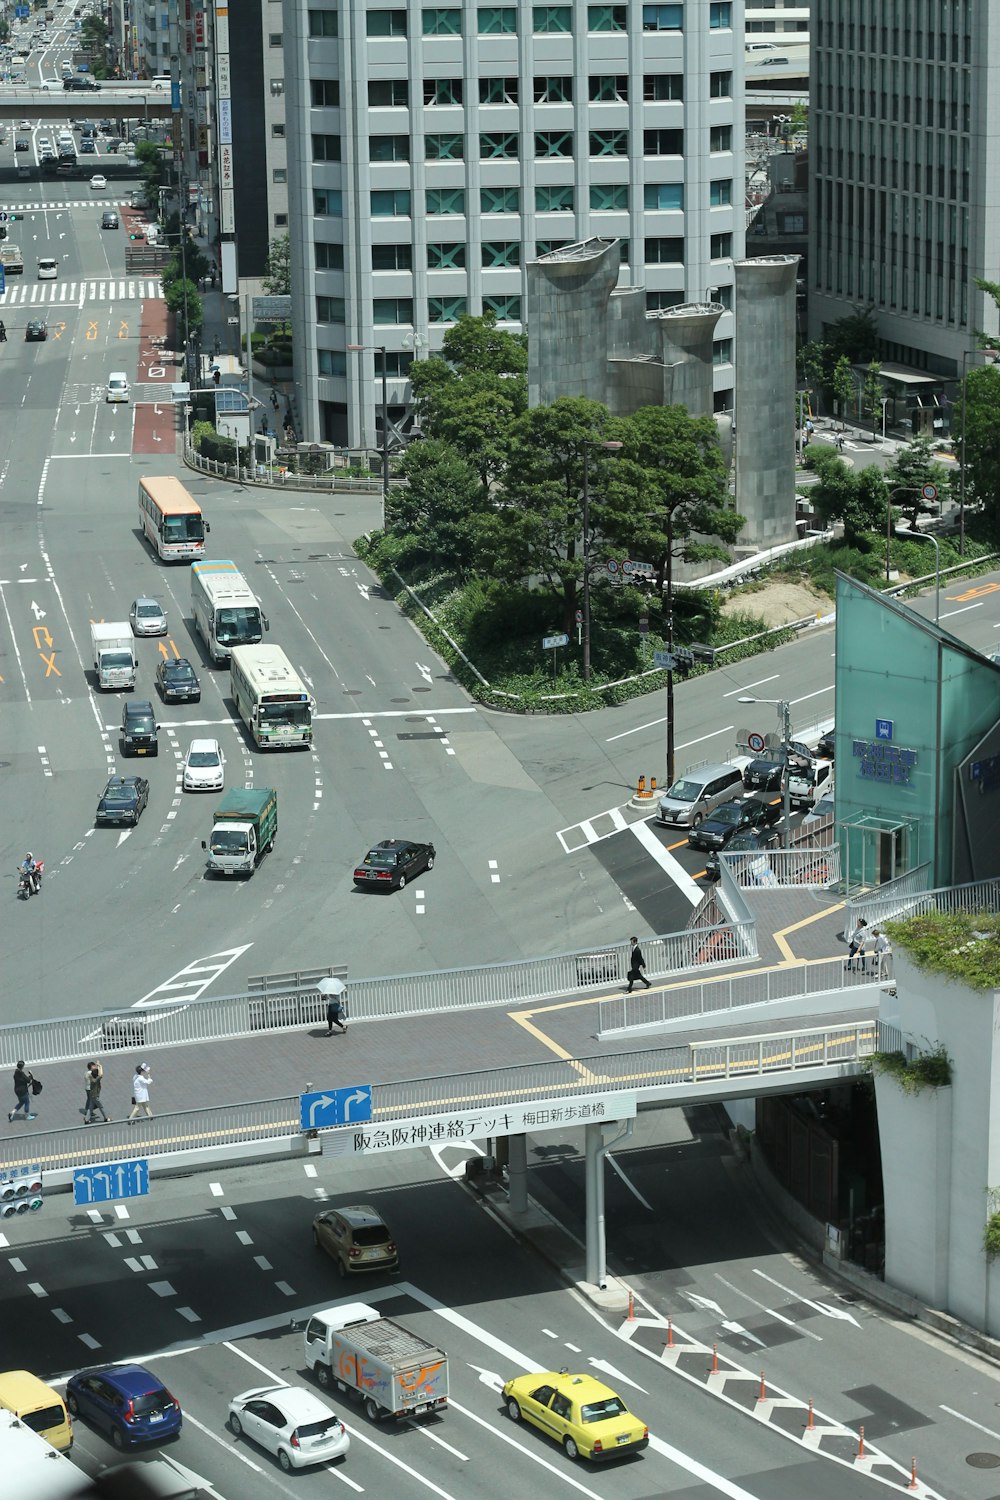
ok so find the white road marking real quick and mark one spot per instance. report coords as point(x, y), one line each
point(977, 1425)
point(617, 1375)
point(821, 1307)
point(779, 1317)
point(628, 1183)
point(685, 883)
point(537, 1458)
point(747, 686)
point(704, 1302)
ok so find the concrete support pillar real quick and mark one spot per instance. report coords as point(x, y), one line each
point(517, 1173)
point(688, 333)
point(597, 1266)
point(765, 398)
point(567, 312)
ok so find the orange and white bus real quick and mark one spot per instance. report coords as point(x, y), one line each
point(171, 519)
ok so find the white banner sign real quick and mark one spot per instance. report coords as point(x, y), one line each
point(478, 1125)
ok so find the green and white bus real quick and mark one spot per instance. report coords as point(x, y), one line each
point(270, 697)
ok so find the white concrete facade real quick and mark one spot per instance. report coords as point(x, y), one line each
point(434, 151)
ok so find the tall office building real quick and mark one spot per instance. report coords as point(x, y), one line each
point(904, 135)
point(434, 150)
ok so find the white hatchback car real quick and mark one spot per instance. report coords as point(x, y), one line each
point(290, 1422)
point(204, 767)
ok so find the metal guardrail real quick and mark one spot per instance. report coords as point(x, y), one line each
point(784, 867)
point(649, 1010)
point(651, 1073)
point(908, 895)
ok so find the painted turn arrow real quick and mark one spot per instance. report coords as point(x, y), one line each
point(820, 1307)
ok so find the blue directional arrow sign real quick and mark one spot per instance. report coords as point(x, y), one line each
point(116, 1179)
point(350, 1106)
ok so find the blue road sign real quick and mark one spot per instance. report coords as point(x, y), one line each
point(350, 1106)
point(116, 1179)
point(3, 280)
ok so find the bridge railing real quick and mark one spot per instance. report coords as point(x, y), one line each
point(819, 866)
point(683, 1066)
point(649, 1010)
point(908, 896)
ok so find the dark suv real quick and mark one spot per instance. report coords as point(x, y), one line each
point(139, 728)
point(127, 1402)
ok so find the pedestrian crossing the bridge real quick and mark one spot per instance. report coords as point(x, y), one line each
point(69, 294)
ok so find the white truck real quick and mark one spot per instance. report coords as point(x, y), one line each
point(114, 654)
point(807, 787)
point(394, 1372)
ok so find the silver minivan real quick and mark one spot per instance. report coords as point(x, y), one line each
point(693, 795)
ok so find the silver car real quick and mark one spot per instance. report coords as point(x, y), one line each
point(147, 617)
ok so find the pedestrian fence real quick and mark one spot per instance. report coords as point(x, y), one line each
point(682, 1073)
point(908, 896)
point(649, 1010)
point(784, 867)
point(269, 1007)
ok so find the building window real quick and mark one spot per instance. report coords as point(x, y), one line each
point(323, 23)
point(660, 301)
point(553, 143)
point(724, 296)
point(721, 192)
point(281, 221)
point(392, 258)
point(665, 252)
point(328, 202)
point(494, 19)
point(663, 195)
point(720, 16)
point(556, 198)
point(720, 246)
point(442, 22)
point(390, 203)
point(553, 90)
point(395, 362)
point(442, 91)
point(501, 254)
point(791, 223)
point(720, 85)
point(507, 309)
point(445, 257)
point(279, 174)
point(549, 247)
point(608, 88)
point(325, 147)
point(387, 23)
point(445, 147)
point(609, 143)
point(445, 201)
point(608, 197)
point(498, 91)
point(500, 200)
point(392, 310)
point(445, 309)
point(278, 130)
point(324, 93)
point(386, 92)
point(328, 257)
point(332, 362)
point(663, 88)
point(607, 17)
point(275, 39)
point(330, 310)
point(499, 143)
point(388, 148)
point(552, 18)
point(662, 17)
point(663, 142)
point(722, 351)
point(720, 138)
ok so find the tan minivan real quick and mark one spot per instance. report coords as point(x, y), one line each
point(38, 1406)
point(693, 795)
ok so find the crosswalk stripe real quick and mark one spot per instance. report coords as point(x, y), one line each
point(66, 292)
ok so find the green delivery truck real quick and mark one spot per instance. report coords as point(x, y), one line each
point(243, 830)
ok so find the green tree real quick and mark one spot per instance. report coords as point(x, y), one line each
point(910, 470)
point(193, 263)
point(856, 499)
point(977, 420)
point(843, 387)
point(679, 505)
point(440, 506)
point(855, 336)
point(278, 277)
point(872, 391)
point(183, 301)
point(800, 119)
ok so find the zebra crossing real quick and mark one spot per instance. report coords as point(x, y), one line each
point(70, 294)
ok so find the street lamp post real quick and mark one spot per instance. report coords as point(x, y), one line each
point(920, 536)
point(608, 447)
point(885, 403)
point(357, 349)
point(785, 715)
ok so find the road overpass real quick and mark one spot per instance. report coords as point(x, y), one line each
point(54, 103)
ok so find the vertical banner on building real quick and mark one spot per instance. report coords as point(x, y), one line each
point(223, 94)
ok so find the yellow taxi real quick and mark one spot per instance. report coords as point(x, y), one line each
point(585, 1416)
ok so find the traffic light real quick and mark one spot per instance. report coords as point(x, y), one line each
point(12, 218)
point(134, 235)
point(20, 1191)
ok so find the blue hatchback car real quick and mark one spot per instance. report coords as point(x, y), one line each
point(127, 1402)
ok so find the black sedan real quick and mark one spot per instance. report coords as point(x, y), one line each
point(178, 681)
point(827, 745)
point(35, 330)
point(392, 863)
point(743, 842)
point(764, 774)
point(123, 800)
point(730, 818)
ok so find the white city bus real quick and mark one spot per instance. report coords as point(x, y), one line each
point(171, 519)
point(226, 614)
point(270, 697)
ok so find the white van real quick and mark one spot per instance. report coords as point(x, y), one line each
point(48, 268)
point(117, 386)
point(808, 787)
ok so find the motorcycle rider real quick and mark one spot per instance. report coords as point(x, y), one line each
point(29, 869)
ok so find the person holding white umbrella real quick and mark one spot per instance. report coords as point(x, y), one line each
point(336, 1012)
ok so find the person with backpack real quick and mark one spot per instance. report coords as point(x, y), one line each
point(24, 1087)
